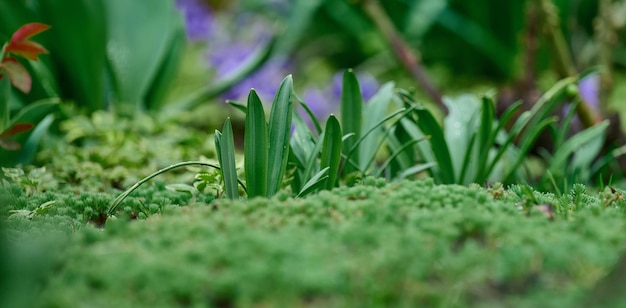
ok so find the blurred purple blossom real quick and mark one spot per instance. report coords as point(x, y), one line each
point(324, 102)
point(198, 18)
point(589, 89)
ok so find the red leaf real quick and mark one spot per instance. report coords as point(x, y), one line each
point(17, 74)
point(17, 128)
point(20, 45)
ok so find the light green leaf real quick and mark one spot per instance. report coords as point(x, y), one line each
point(375, 112)
point(140, 34)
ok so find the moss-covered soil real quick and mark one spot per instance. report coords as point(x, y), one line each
point(410, 243)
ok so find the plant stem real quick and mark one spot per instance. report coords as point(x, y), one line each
point(125, 194)
point(606, 39)
point(403, 52)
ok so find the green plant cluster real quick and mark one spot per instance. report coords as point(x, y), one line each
point(472, 145)
point(375, 244)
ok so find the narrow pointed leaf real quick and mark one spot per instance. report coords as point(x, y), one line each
point(16, 129)
point(375, 112)
point(485, 136)
point(331, 150)
point(279, 131)
point(5, 91)
point(227, 161)
point(255, 147)
point(316, 182)
point(429, 126)
point(351, 114)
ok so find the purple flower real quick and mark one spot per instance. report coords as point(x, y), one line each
point(324, 102)
point(589, 89)
point(198, 18)
point(232, 46)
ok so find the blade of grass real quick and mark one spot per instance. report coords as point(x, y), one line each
point(279, 131)
point(255, 147)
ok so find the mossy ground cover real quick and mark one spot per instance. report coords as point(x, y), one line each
point(410, 243)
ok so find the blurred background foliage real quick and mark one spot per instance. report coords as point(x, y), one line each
point(108, 54)
point(178, 60)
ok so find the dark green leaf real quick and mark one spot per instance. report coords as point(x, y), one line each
point(331, 150)
point(279, 131)
point(351, 115)
point(256, 147)
point(227, 161)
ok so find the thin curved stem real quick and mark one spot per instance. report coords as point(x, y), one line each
point(125, 194)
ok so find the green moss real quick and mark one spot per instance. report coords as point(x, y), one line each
point(400, 244)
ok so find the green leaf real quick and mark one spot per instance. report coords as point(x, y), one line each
point(351, 115)
point(527, 143)
point(486, 137)
point(279, 130)
point(30, 145)
point(422, 16)
point(302, 14)
point(136, 55)
point(375, 112)
point(316, 182)
point(309, 112)
point(331, 150)
point(238, 106)
point(460, 126)
point(397, 151)
point(5, 110)
point(416, 169)
point(167, 72)
point(302, 141)
point(578, 143)
point(429, 126)
point(78, 44)
point(227, 161)
point(256, 146)
point(218, 144)
point(255, 61)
